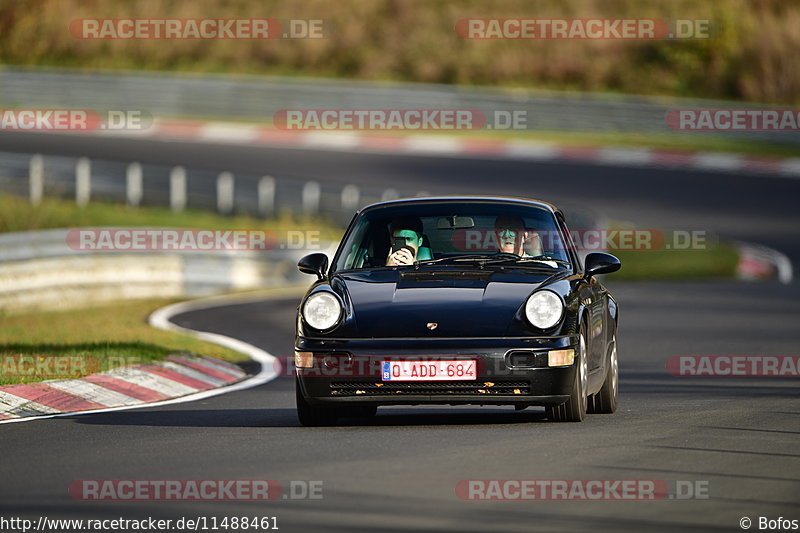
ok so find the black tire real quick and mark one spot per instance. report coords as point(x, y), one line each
point(574, 410)
point(605, 401)
point(312, 416)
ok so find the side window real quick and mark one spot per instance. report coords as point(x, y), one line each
point(354, 258)
point(570, 244)
point(355, 248)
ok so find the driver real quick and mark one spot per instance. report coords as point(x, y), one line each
point(410, 229)
point(513, 238)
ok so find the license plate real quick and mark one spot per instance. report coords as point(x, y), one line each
point(442, 370)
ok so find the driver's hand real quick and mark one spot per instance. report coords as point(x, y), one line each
point(533, 243)
point(401, 257)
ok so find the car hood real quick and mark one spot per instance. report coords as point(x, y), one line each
point(462, 303)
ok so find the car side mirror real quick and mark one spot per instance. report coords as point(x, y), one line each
point(313, 264)
point(600, 263)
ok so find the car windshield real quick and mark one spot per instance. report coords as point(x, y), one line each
point(454, 233)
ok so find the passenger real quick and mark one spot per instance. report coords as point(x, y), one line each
point(513, 238)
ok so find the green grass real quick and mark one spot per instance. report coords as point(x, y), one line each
point(30, 363)
point(646, 265)
point(103, 337)
point(17, 214)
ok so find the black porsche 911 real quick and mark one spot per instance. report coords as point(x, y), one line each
point(456, 300)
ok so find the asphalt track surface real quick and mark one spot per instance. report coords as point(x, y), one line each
point(397, 472)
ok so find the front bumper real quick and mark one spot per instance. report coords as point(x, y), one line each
point(510, 371)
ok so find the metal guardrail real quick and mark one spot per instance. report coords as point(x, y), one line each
point(39, 270)
point(259, 98)
point(83, 180)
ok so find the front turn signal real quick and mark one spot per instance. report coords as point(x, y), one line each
point(303, 359)
point(561, 357)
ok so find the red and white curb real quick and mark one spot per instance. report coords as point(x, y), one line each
point(454, 146)
point(758, 263)
point(178, 379)
point(119, 387)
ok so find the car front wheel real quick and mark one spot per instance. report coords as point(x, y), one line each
point(313, 416)
point(605, 401)
point(574, 410)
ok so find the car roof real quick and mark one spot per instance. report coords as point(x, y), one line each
point(421, 200)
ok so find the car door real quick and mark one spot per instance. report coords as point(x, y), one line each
point(593, 297)
point(598, 324)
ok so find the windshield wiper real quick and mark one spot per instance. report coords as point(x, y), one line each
point(527, 261)
point(490, 259)
point(545, 259)
point(469, 257)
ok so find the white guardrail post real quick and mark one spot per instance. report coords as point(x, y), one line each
point(351, 197)
point(389, 194)
point(225, 192)
point(266, 196)
point(83, 181)
point(133, 184)
point(36, 179)
point(311, 198)
point(177, 189)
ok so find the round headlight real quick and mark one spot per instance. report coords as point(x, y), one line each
point(322, 310)
point(544, 309)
